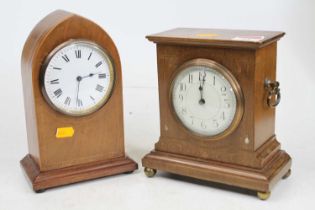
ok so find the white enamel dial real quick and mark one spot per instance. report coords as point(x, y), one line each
point(77, 78)
point(204, 99)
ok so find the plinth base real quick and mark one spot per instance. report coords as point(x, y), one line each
point(260, 180)
point(42, 180)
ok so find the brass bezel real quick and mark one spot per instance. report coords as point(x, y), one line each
point(106, 97)
point(236, 89)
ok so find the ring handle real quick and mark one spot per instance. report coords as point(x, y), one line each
point(274, 96)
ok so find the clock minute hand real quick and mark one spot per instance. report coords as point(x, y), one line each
point(202, 83)
point(79, 78)
point(204, 79)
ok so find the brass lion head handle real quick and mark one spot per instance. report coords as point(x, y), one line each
point(274, 96)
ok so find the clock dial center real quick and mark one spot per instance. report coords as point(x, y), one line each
point(205, 106)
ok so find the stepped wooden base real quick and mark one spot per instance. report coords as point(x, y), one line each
point(260, 180)
point(53, 178)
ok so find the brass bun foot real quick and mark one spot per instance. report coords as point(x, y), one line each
point(287, 174)
point(263, 195)
point(40, 191)
point(149, 172)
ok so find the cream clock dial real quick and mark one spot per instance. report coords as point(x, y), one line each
point(77, 78)
point(205, 97)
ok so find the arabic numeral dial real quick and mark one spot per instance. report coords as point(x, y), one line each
point(204, 98)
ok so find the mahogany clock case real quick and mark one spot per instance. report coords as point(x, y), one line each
point(97, 147)
point(250, 156)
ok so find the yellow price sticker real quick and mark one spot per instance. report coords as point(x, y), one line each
point(64, 132)
point(207, 35)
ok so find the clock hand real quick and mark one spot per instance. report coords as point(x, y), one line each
point(202, 100)
point(79, 78)
point(202, 83)
point(204, 78)
point(90, 75)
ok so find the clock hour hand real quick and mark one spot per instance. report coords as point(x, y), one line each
point(202, 100)
point(91, 75)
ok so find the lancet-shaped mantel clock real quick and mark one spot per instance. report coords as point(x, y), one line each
point(72, 86)
point(218, 93)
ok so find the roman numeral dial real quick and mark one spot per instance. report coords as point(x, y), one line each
point(78, 78)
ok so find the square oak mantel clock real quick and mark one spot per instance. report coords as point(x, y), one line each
point(72, 87)
point(218, 91)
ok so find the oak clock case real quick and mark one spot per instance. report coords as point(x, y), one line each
point(218, 93)
point(72, 87)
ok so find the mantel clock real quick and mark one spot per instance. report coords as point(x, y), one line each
point(72, 87)
point(218, 93)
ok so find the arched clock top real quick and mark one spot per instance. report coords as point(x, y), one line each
point(59, 27)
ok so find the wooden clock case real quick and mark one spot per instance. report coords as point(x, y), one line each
point(250, 157)
point(97, 147)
